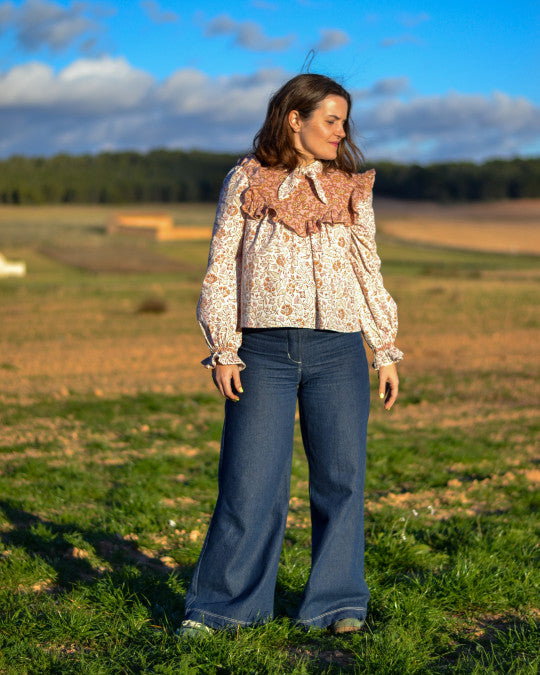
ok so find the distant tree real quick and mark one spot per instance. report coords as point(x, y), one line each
point(177, 176)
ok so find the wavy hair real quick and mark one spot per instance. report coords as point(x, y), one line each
point(273, 144)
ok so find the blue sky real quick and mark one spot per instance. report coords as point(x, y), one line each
point(431, 81)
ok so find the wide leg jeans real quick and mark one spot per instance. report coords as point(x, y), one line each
point(235, 576)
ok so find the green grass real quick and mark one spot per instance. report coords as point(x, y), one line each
point(105, 499)
point(84, 535)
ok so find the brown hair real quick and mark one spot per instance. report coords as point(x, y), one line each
point(273, 144)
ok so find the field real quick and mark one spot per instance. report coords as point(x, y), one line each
point(109, 442)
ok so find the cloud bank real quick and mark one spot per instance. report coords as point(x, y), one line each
point(106, 103)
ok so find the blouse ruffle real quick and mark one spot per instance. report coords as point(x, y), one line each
point(303, 206)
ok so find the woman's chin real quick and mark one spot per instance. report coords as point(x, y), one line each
point(327, 156)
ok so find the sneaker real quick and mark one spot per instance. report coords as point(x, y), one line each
point(193, 630)
point(347, 626)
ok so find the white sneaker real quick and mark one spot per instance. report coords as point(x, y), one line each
point(193, 629)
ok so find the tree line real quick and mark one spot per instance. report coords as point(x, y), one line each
point(195, 176)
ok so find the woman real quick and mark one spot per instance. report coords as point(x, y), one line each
point(292, 284)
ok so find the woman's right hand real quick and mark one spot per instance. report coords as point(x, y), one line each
point(227, 380)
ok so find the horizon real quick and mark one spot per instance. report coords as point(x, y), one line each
point(242, 153)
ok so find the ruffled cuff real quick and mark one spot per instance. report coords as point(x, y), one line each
point(226, 358)
point(387, 356)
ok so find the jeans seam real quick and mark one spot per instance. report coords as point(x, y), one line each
point(333, 611)
point(220, 616)
point(288, 347)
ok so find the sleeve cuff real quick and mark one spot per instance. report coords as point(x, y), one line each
point(386, 357)
point(225, 358)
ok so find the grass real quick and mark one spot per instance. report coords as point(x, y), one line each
point(109, 444)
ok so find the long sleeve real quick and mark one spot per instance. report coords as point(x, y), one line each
point(218, 307)
point(379, 313)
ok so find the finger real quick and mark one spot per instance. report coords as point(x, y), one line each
point(382, 386)
point(226, 388)
point(237, 381)
point(392, 394)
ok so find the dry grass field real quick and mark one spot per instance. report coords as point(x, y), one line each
point(72, 326)
point(91, 385)
point(62, 339)
point(502, 227)
point(62, 334)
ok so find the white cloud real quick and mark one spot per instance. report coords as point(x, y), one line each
point(332, 38)
point(43, 23)
point(234, 99)
point(156, 14)
point(451, 126)
point(389, 86)
point(220, 25)
point(247, 34)
point(7, 10)
point(88, 86)
point(106, 103)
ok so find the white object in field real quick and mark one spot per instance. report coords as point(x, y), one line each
point(11, 269)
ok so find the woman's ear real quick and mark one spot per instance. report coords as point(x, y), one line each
point(295, 121)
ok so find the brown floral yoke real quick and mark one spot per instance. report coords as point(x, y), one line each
point(289, 198)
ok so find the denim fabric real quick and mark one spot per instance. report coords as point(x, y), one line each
point(234, 580)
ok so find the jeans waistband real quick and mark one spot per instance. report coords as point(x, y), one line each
point(284, 330)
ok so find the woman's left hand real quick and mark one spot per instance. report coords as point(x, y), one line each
point(388, 384)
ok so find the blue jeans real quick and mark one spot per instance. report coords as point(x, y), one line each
point(234, 580)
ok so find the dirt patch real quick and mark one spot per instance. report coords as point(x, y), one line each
point(460, 497)
point(104, 366)
point(121, 259)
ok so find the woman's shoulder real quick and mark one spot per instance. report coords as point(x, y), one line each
point(357, 185)
point(248, 164)
point(360, 178)
point(244, 170)
point(240, 173)
point(250, 169)
point(363, 182)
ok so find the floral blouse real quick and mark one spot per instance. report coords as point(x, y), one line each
point(295, 250)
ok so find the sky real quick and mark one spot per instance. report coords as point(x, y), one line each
point(446, 80)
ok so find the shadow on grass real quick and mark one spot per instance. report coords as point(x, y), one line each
point(85, 556)
point(508, 643)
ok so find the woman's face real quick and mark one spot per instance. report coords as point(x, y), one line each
point(318, 136)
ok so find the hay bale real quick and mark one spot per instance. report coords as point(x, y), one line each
point(151, 225)
point(156, 226)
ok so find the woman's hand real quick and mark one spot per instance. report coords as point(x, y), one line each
point(388, 384)
point(227, 380)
